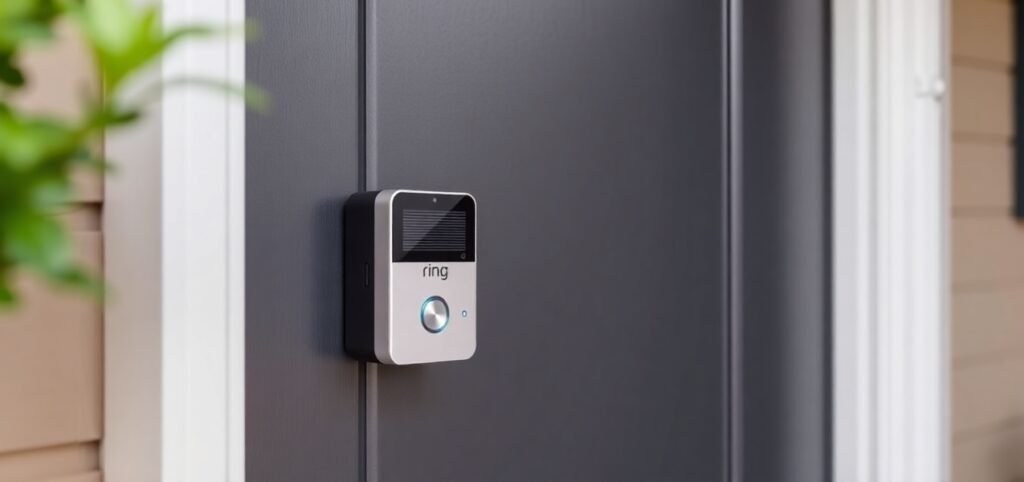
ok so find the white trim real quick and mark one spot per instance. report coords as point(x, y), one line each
point(852, 235)
point(891, 243)
point(174, 224)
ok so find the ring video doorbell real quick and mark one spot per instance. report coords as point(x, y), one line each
point(410, 276)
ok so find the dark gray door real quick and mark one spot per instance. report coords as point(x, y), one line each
point(616, 246)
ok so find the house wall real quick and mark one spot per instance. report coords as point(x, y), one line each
point(51, 347)
point(987, 248)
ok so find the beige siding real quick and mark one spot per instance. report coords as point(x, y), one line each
point(982, 103)
point(71, 462)
point(983, 177)
point(51, 350)
point(991, 456)
point(988, 395)
point(983, 32)
point(988, 249)
point(987, 324)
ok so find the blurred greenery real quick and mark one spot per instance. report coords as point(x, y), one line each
point(38, 154)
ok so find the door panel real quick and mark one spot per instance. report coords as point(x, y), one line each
point(591, 134)
point(302, 160)
point(633, 238)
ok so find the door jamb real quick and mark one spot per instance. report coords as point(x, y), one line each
point(891, 212)
point(174, 225)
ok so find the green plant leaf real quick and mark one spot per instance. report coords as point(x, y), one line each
point(37, 240)
point(50, 193)
point(7, 296)
point(22, 21)
point(87, 158)
point(112, 25)
point(10, 74)
point(111, 115)
point(27, 142)
point(79, 278)
point(254, 97)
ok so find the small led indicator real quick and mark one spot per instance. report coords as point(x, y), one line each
point(465, 313)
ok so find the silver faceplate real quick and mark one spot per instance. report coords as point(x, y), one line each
point(400, 290)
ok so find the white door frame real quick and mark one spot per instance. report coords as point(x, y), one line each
point(891, 212)
point(174, 224)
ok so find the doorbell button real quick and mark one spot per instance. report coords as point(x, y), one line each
point(434, 314)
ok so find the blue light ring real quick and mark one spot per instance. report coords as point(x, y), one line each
point(447, 310)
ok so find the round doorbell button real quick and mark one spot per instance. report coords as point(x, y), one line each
point(434, 314)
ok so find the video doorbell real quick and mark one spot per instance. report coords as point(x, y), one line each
point(410, 276)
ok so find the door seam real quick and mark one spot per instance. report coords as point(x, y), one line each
point(733, 336)
point(369, 469)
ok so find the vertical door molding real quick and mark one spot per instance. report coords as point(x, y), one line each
point(302, 391)
point(781, 258)
point(891, 242)
point(174, 336)
point(854, 261)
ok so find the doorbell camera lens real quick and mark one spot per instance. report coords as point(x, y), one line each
point(420, 250)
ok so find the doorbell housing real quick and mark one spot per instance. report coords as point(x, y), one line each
point(410, 276)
